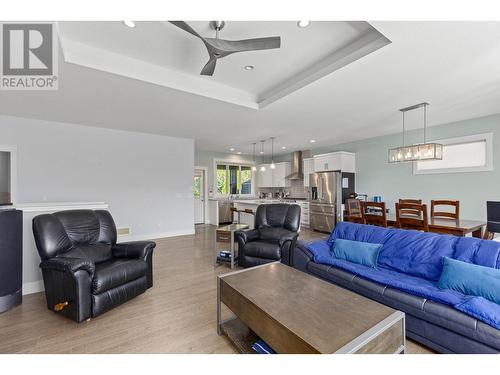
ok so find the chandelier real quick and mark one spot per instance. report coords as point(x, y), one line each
point(417, 152)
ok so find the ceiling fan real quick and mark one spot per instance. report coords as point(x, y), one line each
point(218, 48)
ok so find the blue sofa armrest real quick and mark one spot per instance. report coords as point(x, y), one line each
point(301, 256)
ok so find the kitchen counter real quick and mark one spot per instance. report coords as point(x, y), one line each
point(215, 208)
point(252, 204)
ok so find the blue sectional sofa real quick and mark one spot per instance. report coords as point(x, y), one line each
point(408, 269)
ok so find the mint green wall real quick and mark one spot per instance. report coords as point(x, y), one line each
point(374, 176)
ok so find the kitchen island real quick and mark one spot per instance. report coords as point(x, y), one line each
point(252, 204)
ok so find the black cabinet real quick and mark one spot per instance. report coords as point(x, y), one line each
point(11, 258)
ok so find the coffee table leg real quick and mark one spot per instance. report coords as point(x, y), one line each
point(218, 306)
point(232, 249)
point(215, 249)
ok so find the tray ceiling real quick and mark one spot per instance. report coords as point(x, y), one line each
point(161, 53)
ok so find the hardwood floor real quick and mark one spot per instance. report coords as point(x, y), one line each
point(176, 316)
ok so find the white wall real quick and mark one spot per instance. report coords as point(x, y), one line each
point(146, 179)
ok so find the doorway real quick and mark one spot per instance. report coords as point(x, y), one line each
point(199, 187)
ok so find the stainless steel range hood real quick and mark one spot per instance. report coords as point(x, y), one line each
point(297, 173)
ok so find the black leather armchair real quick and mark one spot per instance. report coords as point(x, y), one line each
point(85, 271)
point(274, 236)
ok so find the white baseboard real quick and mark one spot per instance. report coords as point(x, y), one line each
point(33, 287)
point(154, 236)
point(37, 286)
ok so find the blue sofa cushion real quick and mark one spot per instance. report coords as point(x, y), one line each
point(468, 278)
point(364, 253)
point(418, 253)
point(478, 307)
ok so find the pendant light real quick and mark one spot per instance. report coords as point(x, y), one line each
point(262, 168)
point(418, 152)
point(272, 166)
point(254, 166)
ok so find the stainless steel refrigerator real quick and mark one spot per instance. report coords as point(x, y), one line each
point(325, 200)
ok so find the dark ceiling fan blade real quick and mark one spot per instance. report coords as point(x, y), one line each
point(184, 26)
point(209, 67)
point(256, 44)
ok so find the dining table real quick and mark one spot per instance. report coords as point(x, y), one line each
point(458, 227)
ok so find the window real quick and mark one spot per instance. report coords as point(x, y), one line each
point(246, 180)
point(463, 154)
point(233, 179)
point(197, 187)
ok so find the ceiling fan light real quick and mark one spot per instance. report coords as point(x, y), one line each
point(130, 24)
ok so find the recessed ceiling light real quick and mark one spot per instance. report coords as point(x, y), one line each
point(249, 67)
point(129, 23)
point(302, 24)
point(283, 148)
point(312, 141)
point(239, 152)
point(232, 149)
point(262, 152)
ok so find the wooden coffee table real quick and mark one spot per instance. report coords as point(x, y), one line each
point(294, 312)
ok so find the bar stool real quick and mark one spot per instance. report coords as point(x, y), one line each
point(248, 211)
point(233, 211)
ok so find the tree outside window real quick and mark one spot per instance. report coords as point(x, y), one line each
point(233, 179)
point(197, 187)
point(221, 175)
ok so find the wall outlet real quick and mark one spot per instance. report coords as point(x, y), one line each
point(123, 231)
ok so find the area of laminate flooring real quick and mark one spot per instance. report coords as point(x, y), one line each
point(176, 316)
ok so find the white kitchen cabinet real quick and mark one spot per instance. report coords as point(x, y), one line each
point(335, 161)
point(274, 178)
point(307, 168)
point(279, 174)
point(304, 213)
point(264, 178)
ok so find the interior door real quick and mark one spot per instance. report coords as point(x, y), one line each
point(199, 196)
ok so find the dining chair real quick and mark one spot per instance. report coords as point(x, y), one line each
point(493, 220)
point(410, 201)
point(355, 214)
point(445, 214)
point(417, 221)
point(375, 213)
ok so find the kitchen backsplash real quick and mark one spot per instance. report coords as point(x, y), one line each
point(296, 189)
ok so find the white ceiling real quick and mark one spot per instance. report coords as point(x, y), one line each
point(452, 65)
point(161, 53)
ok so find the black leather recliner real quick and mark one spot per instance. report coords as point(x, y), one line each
point(273, 238)
point(85, 271)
